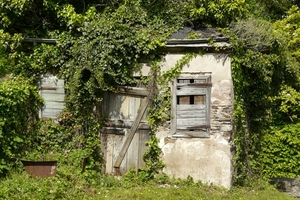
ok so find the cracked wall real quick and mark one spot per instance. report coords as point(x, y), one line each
point(206, 159)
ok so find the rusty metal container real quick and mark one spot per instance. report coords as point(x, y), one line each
point(40, 168)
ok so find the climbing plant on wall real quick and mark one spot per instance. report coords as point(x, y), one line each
point(99, 46)
point(261, 65)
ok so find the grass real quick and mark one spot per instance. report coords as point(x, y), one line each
point(189, 192)
point(22, 186)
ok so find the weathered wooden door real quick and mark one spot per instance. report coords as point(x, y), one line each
point(124, 135)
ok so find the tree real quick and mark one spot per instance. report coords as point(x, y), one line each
point(277, 9)
point(266, 80)
point(217, 13)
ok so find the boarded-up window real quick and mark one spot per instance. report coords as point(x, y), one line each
point(191, 106)
point(52, 91)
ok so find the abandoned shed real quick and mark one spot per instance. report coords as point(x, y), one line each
point(196, 141)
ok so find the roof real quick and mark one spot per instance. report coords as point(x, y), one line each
point(209, 39)
point(204, 32)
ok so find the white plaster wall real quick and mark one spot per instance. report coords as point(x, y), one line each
point(205, 159)
point(217, 64)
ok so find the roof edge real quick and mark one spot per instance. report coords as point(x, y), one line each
point(197, 41)
point(169, 42)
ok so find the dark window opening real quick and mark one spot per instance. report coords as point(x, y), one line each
point(192, 99)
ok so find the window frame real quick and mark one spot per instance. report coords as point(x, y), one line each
point(203, 84)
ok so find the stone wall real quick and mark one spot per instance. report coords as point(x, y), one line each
point(221, 109)
point(290, 186)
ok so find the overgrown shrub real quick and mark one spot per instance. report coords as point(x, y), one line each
point(19, 106)
point(280, 153)
point(76, 153)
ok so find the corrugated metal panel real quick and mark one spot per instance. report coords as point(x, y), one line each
point(52, 91)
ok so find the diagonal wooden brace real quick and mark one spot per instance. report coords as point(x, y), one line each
point(131, 133)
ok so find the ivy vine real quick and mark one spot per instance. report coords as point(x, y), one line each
point(99, 46)
point(160, 109)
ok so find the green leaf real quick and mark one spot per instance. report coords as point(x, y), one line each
point(18, 139)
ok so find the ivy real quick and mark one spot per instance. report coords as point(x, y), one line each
point(217, 12)
point(19, 106)
point(287, 102)
point(263, 75)
point(280, 152)
point(159, 111)
point(107, 51)
point(100, 45)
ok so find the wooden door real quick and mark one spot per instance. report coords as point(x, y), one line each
point(124, 135)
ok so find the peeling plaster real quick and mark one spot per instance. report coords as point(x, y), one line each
point(205, 159)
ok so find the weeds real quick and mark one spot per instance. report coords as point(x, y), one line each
point(66, 185)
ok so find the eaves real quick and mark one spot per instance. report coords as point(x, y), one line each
point(207, 45)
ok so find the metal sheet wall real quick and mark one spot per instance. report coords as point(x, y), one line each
point(52, 91)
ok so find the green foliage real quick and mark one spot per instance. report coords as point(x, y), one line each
point(256, 63)
point(272, 9)
point(38, 18)
point(21, 185)
point(106, 54)
point(193, 35)
point(100, 45)
point(152, 158)
point(280, 152)
point(49, 141)
point(97, 49)
point(19, 106)
point(81, 145)
point(8, 45)
point(289, 29)
point(77, 154)
point(217, 12)
point(159, 111)
point(287, 103)
point(58, 187)
point(259, 67)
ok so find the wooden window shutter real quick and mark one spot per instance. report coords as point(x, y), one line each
point(191, 96)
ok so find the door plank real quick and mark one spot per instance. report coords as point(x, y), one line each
point(131, 133)
point(190, 90)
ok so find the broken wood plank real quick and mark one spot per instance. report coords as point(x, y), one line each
point(174, 106)
point(200, 84)
point(190, 90)
point(193, 107)
point(191, 113)
point(143, 125)
point(133, 91)
point(195, 84)
point(200, 127)
point(131, 133)
point(110, 154)
point(190, 122)
point(112, 130)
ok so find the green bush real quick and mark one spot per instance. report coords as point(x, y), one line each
point(281, 152)
point(19, 107)
point(21, 185)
